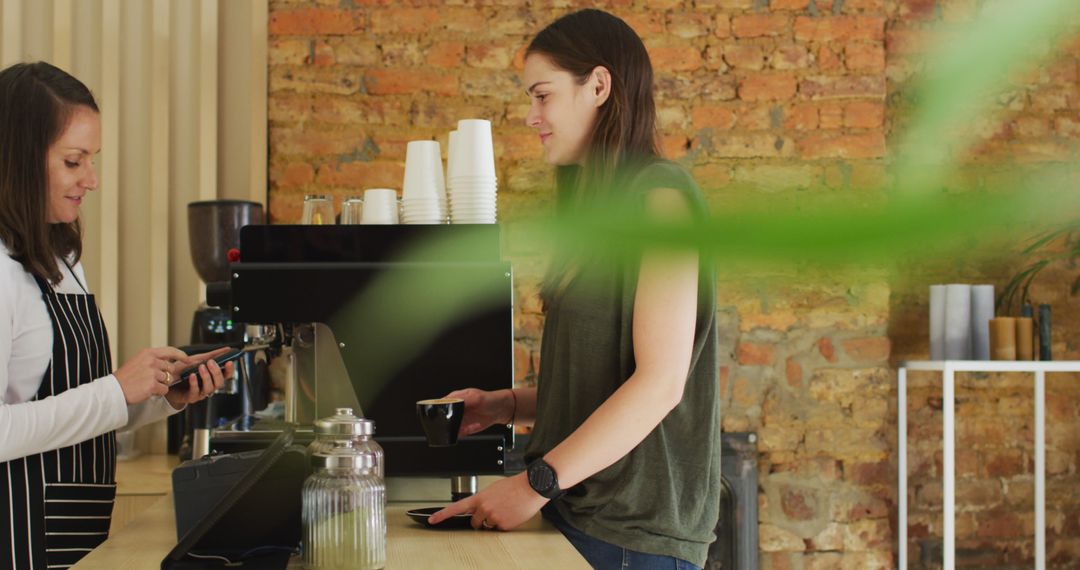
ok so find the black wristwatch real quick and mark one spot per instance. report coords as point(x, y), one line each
point(544, 480)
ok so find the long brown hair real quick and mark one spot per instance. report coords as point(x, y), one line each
point(625, 131)
point(624, 137)
point(36, 101)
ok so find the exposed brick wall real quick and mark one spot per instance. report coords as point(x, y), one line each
point(756, 97)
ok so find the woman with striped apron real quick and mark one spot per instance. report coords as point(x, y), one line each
point(61, 500)
point(57, 430)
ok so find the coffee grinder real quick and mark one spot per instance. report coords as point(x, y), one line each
point(214, 230)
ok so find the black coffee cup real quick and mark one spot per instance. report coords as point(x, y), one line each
point(441, 420)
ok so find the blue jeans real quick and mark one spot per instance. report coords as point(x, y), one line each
point(606, 556)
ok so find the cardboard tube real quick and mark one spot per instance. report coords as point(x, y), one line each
point(1003, 338)
point(1025, 328)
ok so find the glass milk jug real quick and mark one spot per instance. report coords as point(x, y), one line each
point(344, 430)
point(344, 514)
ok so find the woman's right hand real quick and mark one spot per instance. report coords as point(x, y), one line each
point(148, 373)
point(484, 409)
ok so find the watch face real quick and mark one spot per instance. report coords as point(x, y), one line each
point(541, 477)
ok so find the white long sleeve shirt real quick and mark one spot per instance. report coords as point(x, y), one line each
point(26, 343)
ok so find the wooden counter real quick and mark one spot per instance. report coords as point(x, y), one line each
point(146, 483)
point(535, 545)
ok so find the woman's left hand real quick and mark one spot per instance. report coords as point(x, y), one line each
point(504, 505)
point(210, 378)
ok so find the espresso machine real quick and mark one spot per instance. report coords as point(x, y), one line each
point(376, 318)
point(214, 231)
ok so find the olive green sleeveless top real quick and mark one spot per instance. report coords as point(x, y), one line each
point(664, 496)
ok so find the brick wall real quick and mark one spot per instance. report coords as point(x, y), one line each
point(759, 98)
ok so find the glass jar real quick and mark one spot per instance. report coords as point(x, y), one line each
point(344, 430)
point(344, 514)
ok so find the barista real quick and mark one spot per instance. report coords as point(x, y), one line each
point(61, 401)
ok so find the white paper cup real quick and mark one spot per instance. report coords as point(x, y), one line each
point(380, 207)
point(423, 171)
point(474, 153)
point(451, 156)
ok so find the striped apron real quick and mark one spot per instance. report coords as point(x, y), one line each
point(57, 505)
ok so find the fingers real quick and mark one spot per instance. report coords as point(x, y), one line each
point(469, 429)
point(462, 506)
point(195, 358)
point(168, 353)
point(459, 394)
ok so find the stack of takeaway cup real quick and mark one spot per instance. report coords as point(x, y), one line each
point(471, 173)
point(423, 196)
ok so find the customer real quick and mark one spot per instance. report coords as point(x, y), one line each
point(60, 399)
point(627, 418)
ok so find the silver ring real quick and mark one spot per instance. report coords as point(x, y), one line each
point(168, 378)
point(484, 523)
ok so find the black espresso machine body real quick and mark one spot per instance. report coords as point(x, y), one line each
point(413, 312)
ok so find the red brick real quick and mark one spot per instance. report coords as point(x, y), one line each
point(315, 21)
point(757, 118)
point(1002, 524)
point(908, 41)
point(870, 145)
point(675, 145)
point(794, 373)
point(841, 87)
point(489, 56)
point(324, 55)
point(788, 4)
point(751, 145)
point(864, 115)
point(872, 349)
point(1067, 126)
point(801, 117)
point(759, 25)
point(390, 21)
point(688, 24)
point(289, 52)
point(831, 116)
point(864, 57)
point(362, 174)
point(1008, 463)
point(790, 56)
point(407, 81)
point(446, 54)
point(675, 58)
point(827, 59)
point(712, 177)
point(825, 347)
point(756, 354)
point(292, 175)
point(722, 26)
point(771, 87)
point(646, 24)
point(839, 28)
point(796, 505)
point(521, 361)
point(744, 56)
point(712, 117)
point(918, 9)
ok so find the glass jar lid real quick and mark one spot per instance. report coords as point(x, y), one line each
point(343, 422)
point(345, 461)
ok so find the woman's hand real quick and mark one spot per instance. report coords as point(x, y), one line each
point(504, 505)
point(148, 373)
point(484, 409)
point(210, 373)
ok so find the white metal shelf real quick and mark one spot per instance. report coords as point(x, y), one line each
point(949, 368)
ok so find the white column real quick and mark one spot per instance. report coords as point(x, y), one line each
point(1040, 470)
point(901, 459)
point(949, 467)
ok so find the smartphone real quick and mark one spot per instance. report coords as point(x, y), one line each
point(229, 356)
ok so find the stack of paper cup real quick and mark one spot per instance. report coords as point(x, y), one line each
point(423, 195)
point(471, 173)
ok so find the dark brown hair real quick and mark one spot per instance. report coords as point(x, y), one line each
point(624, 138)
point(36, 102)
point(625, 131)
